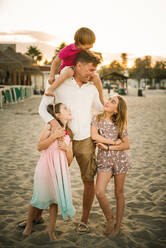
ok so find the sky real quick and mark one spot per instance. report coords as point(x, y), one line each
point(136, 27)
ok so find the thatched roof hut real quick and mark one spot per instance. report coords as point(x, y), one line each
point(26, 61)
point(114, 76)
point(9, 63)
point(17, 68)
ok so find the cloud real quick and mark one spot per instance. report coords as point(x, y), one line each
point(37, 35)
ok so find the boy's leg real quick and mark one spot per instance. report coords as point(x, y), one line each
point(50, 90)
point(67, 73)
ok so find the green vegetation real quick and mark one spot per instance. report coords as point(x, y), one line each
point(34, 53)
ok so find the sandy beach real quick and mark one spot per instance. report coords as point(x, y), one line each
point(144, 222)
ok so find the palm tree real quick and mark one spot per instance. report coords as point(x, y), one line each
point(115, 66)
point(124, 60)
point(62, 45)
point(34, 53)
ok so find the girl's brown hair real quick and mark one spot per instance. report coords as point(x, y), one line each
point(54, 109)
point(84, 36)
point(120, 119)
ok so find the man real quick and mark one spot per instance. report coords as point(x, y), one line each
point(81, 97)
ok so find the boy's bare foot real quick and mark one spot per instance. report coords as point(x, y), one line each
point(51, 236)
point(27, 231)
point(50, 92)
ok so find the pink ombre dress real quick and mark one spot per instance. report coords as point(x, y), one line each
point(52, 180)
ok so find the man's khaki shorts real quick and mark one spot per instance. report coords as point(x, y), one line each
point(84, 151)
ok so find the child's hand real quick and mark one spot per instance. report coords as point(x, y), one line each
point(62, 145)
point(96, 80)
point(102, 146)
point(54, 124)
point(68, 72)
point(51, 80)
point(58, 133)
point(117, 142)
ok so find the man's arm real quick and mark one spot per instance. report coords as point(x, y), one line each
point(97, 107)
point(43, 108)
point(98, 84)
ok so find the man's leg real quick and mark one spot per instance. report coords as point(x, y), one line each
point(88, 197)
point(84, 151)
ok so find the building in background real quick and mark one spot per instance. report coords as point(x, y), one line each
point(19, 69)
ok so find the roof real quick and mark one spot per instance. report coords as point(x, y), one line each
point(24, 59)
point(11, 60)
point(9, 63)
point(113, 76)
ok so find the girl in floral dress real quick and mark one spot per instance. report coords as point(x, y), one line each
point(109, 131)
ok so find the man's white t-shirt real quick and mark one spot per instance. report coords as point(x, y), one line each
point(82, 101)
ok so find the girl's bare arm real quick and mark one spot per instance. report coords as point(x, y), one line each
point(47, 138)
point(99, 138)
point(68, 149)
point(123, 146)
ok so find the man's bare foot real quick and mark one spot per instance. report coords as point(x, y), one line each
point(27, 231)
point(51, 236)
point(109, 226)
point(114, 232)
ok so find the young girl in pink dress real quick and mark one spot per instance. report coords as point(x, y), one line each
point(84, 39)
point(52, 180)
point(109, 130)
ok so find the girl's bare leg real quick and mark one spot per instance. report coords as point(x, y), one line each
point(53, 216)
point(102, 181)
point(28, 228)
point(37, 214)
point(120, 202)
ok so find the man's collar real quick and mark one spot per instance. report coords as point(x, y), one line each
point(84, 84)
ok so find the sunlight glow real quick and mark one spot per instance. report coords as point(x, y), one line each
point(130, 63)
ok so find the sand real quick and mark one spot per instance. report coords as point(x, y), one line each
point(144, 223)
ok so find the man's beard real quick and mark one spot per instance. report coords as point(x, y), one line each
point(85, 81)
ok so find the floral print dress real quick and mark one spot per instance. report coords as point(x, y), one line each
point(116, 162)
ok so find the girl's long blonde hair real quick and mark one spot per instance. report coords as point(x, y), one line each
point(120, 119)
